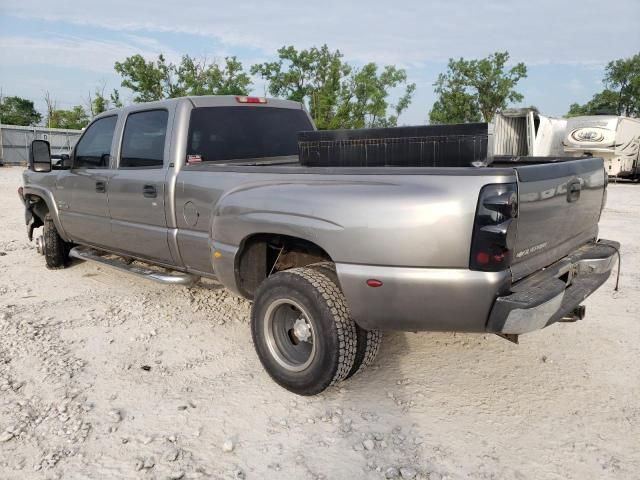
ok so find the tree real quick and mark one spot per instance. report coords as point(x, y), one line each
point(75, 119)
point(99, 102)
point(201, 78)
point(336, 94)
point(473, 88)
point(364, 98)
point(605, 102)
point(115, 99)
point(454, 105)
point(313, 76)
point(18, 111)
point(147, 79)
point(623, 77)
point(152, 81)
point(621, 95)
point(51, 106)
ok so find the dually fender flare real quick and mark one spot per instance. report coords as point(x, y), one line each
point(235, 219)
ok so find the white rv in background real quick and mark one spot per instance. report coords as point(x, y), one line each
point(616, 139)
point(524, 132)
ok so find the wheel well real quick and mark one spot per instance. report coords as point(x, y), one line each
point(39, 207)
point(264, 254)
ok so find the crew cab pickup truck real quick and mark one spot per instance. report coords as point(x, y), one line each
point(330, 256)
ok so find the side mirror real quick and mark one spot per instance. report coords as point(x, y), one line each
point(40, 156)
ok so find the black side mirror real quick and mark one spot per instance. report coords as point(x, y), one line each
point(40, 156)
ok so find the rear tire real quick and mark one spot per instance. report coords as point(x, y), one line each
point(56, 250)
point(302, 331)
point(369, 341)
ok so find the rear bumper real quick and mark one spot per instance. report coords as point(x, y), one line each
point(553, 293)
point(421, 299)
point(461, 300)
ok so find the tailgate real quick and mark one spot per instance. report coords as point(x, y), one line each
point(559, 209)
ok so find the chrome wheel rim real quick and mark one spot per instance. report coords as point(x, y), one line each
point(290, 335)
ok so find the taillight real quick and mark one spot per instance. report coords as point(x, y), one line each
point(242, 99)
point(494, 230)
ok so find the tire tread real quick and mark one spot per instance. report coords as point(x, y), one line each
point(345, 326)
point(56, 250)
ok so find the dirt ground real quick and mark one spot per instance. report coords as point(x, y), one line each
point(105, 375)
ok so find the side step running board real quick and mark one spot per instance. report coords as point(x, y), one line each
point(174, 278)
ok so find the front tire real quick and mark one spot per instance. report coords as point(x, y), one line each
point(56, 250)
point(302, 331)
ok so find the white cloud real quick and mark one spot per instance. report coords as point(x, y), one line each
point(93, 55)
point(545, 31)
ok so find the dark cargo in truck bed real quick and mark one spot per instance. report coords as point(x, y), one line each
point(462, 145)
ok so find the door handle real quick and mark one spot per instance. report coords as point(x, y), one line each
point(101, 187)
point(149, 191)
point(573, 190)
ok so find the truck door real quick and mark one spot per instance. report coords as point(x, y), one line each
point(81, 194)
point(137, 188)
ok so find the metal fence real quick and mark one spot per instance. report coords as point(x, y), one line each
point(15, 142)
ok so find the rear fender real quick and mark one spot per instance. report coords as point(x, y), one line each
point(243, 213)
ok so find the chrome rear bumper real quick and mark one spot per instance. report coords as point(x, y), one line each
point(554, 292)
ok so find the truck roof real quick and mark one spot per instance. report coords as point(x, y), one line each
point(207, 101)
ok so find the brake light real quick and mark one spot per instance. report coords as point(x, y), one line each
point(241, 99)
point(494, 230)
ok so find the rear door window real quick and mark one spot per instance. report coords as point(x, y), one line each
point(143, 140)
point(94, 148)
point(232, 133)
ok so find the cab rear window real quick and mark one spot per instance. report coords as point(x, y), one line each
point(218, 134)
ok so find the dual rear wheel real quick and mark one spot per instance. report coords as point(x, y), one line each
point(303, 332)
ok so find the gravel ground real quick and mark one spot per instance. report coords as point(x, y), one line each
point(104, 375)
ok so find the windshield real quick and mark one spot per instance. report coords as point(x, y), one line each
point(231, 133)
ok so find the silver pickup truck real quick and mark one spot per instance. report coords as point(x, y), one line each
point(329, 255)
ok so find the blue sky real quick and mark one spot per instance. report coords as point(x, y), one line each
point(68, 47)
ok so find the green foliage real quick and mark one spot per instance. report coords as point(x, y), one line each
point(364, 98)
point(200, 78)
point(76, 118)
point(336, 94)
point(115, 99)
point(99, 103)
point(146, 79)
point(474, 89)
point(454, 105)
point(313, 76)
point(18, 111)
point(152, 81)
point(621, 95)
point(605, 102)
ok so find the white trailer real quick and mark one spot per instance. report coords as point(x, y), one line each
point(616, 139)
